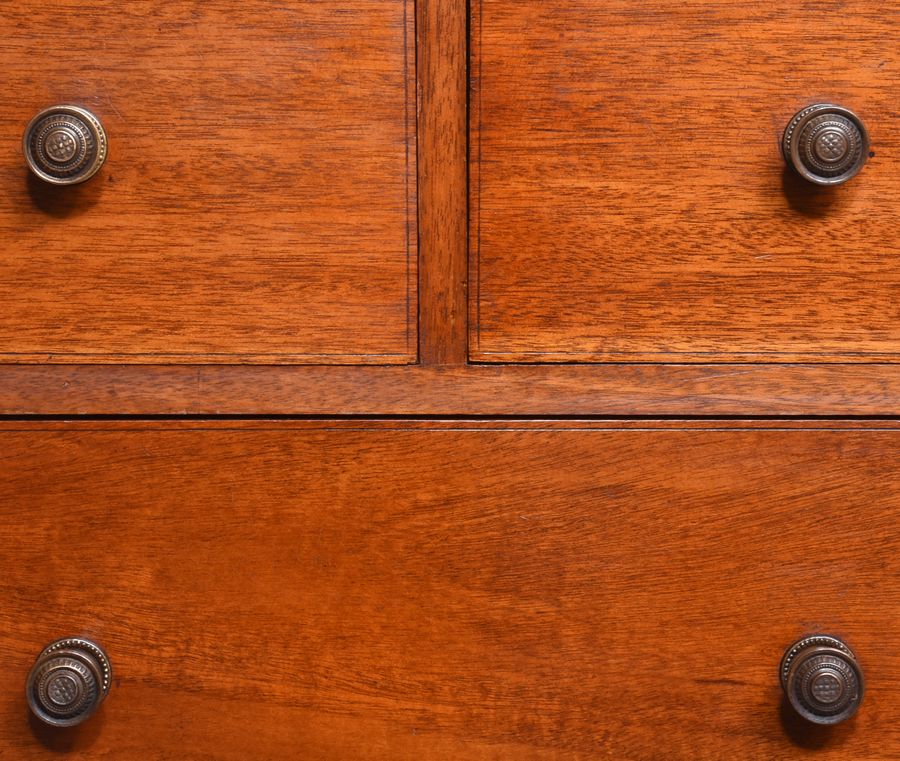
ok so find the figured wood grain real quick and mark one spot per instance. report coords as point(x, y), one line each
point(473, 390)
point(629, 198)
point(550, 591)
point(258, 203)
point(443, 181)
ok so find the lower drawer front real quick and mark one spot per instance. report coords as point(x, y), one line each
point(449, 591)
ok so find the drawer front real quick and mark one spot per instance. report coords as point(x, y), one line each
point(630, 200)
point(258, 200)
point(549, 591)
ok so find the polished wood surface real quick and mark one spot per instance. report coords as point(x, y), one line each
point(629, 198)
point(472, 390)
point(442, 383)
point(550, 590)
point(258, 204)
point(460, 589)
point(443, 181)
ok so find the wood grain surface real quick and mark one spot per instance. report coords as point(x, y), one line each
point(443, 181)
point(629, 198)
point(475, 390)
point(549, 591)
point(258, 203)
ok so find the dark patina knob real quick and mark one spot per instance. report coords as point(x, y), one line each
point(826, 144)
point(68, 682)
point(821, 679)
point(64, 145)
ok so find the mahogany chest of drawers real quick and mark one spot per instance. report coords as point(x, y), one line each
point(502, 379)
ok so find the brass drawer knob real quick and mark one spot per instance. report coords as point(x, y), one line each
point(826, 144)
point(64, 145)
point(821, 679)
point(68, 682)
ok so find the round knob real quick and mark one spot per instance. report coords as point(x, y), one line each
point(64, 145)
point(822, 680)
point(826, 144)
point(68, 682)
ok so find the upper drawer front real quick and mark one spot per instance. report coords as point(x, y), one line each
point(630, 201)
point(569, 591)
point(257, 204)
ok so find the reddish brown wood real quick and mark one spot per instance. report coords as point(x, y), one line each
point(629, 198)
point(258, 204)
point(442, 34)
point(600, 390)
point(550, 591)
